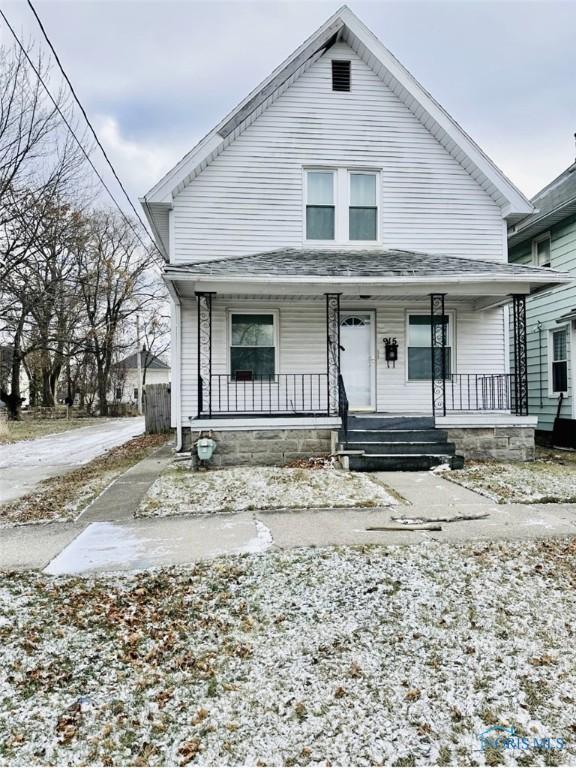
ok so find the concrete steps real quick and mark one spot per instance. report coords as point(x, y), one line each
point(403, 443)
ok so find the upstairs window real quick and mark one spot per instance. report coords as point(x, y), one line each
point(363, 211)
point(252, 346)
point(559, 362)
point(320, 208)
point(419, 347)
point(340, 75)
point(541, 250)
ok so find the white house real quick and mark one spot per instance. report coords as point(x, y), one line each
point(336, 255)
point(126, 376)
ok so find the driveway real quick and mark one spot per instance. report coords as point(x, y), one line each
point(25, 464)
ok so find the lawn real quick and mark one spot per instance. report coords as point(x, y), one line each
point(549, 479)
point(14, 431)
point(180, 491)
point(64, 497)
point(361, 656)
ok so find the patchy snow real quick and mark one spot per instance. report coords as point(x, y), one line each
point(549, 479)
point(182, 492)
point(355, 656)
point(25, 464)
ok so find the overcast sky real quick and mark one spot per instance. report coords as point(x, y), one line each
point(156, 76)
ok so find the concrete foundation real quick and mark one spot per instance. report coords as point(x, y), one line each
point(266, 447)
point(501, 443)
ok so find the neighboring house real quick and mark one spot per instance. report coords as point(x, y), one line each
point(547, 238)
point(338, 241)
point(125, 377)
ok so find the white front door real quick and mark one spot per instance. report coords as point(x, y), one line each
point(357, 361)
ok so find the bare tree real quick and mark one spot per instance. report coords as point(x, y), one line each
point(117, 278)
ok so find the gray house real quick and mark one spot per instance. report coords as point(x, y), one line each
point(547, 238)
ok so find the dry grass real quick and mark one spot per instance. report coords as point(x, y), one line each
point(29, 430)
point(550, 479)
point(305, 657)
point(62, 498)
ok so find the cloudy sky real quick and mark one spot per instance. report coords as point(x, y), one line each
point(156, 75)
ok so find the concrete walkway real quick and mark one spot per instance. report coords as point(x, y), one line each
point(106, 538)
point(120, 500)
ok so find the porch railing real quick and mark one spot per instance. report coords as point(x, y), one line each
point(306, 394)
point(480, 392)
point(295, 394)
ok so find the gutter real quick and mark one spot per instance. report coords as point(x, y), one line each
point(176, 362)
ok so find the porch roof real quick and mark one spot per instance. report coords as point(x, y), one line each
point(340, 269)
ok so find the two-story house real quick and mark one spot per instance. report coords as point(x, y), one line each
point(336, 255)
point(547, 238)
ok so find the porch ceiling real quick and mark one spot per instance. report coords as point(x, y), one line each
point(393, 273)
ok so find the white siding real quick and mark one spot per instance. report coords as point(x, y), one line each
point(479, 346)
point(249, 199)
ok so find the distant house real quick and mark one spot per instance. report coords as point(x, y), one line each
point(547, 238)
point(125, 377)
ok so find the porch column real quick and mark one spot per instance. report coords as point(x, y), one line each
point(438, 353)
point(204, 351)
point(333, 350)
point(520, 404)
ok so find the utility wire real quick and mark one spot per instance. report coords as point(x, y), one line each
point(77, 100)
point(72, 132)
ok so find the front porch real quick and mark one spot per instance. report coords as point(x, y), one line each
point(347, 378)
point(298, 340)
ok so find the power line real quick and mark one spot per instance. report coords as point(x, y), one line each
point(77, 100)
point(72, 132)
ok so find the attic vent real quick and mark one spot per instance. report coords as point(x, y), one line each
point(340, 75)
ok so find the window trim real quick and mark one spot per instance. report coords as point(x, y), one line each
point(551, 361)
point(535, 242)
point(362, 172)
point(334, 172)
point(341, 204)
point(451, 313)
point(247, 311)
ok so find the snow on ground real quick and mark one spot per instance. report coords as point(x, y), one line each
point(355, 656)
point(24, 465)
point(182, 492)
point(551, 478)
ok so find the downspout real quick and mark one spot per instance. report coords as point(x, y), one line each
point(176, 362)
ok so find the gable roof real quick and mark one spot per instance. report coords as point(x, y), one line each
point(147, 360)
point(555, 202)
point(343, 25)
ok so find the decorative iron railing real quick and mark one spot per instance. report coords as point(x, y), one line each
point(343, 405)
point(480, 392)
point(296, 394)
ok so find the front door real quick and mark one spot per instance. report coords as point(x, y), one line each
point(357, 361)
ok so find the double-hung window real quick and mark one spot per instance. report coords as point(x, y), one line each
point(541, 247)
point(252, 346)
point(363, 210)
point(559, 361)
point(341, 205)
point(419, 347)
point(320, 207)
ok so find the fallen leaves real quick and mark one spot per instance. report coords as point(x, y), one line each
point(61, 498)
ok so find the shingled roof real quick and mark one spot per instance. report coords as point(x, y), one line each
point(304, 262)
point(555, 202)
point(148, 360)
